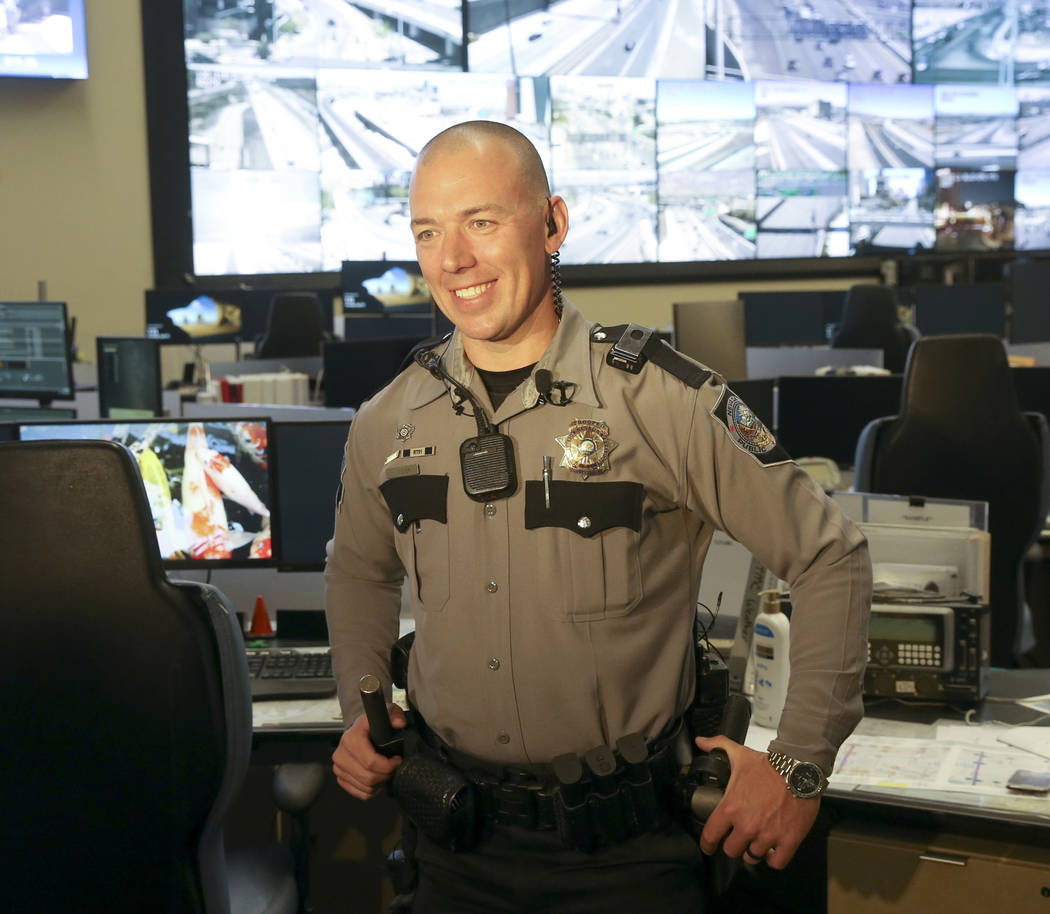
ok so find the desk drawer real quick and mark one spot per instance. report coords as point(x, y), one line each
point(878, 869)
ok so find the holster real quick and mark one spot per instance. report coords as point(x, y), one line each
point(437, 797)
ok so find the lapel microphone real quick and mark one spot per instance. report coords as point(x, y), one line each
point(486, 460)
point(557, 393)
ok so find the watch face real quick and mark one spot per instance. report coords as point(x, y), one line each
point(806, 779)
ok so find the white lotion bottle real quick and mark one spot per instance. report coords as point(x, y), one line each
point(770, 646)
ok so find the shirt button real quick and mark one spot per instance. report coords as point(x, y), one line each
point(494, 664)
point(492, 587)
point(584, 522)
point(490, 510)
point(401, 520)
point(502, 737)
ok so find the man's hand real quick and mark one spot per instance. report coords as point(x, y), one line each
point(359, 769)
point(758, 816)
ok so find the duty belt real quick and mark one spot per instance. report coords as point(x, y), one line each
point(603, 797)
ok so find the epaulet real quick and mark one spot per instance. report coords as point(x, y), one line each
point(635, 345)
point(422, 346)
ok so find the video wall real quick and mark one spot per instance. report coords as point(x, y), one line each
point(676, 132)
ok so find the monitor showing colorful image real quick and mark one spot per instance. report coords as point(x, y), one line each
point(207, 481)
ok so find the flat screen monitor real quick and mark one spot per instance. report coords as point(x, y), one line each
point(356, 369)
point(824, 416)
point(978, 308)
point(215, 315)
point(34, 351)
point(392, 286)
point(43, 39)
point(1029, 293)
point(129, 380)
point(308, 460)
point(797, 318)
point(208, 482)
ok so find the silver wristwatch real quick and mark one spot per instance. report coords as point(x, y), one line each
point(804, 779)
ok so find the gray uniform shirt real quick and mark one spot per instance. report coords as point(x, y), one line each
point(548, 630)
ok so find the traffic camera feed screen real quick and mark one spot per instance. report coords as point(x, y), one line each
point(715, 131)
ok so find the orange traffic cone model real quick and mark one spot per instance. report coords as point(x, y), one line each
point(260, 627)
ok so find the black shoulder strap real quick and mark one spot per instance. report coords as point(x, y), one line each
point(633, 346)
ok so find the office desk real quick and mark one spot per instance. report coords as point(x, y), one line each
point(350, 839)
point(926, 816)
point(310, 730)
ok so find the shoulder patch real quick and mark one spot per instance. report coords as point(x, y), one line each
point(747, 431)
point(626, 355)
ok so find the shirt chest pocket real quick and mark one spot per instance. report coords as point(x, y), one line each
point(587, 550)
point(419, 509)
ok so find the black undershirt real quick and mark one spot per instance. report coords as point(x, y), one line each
point(500, 384)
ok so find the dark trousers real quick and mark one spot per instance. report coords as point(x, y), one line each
point(530, 872)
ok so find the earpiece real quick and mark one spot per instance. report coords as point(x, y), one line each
point(552, 226)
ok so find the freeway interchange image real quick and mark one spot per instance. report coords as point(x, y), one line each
point(305, 118)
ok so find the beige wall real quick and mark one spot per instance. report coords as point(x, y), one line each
point(74, 186)
point(74, 200)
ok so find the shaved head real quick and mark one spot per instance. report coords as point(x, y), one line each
point(474, 135)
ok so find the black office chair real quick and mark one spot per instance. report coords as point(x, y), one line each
point(126, 706)
point(870, 321)
point(960, 434)
point(294, 327)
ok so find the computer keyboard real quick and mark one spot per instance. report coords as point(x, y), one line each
point(284, 672)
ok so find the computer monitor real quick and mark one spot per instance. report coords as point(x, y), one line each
point(308, 460)
point(712, 332)
point(391, 286)
point(795, 318)
point(34, 351)
point(1029, 293)
point(356, 369)
point(978, 308)
point(129, 377)
point(190, 316)
point(791, 318)
point(824, 416)
point(207, 480)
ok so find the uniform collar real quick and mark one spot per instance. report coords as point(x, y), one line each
point(568, 358)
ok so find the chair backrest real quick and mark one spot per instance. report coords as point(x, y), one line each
point(294, 327)
point(869, 320)
point(960, 434)
point(125, 696)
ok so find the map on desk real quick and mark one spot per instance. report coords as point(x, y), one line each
point(305, 712)
point(970, 759)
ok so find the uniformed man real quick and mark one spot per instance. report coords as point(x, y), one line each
point(553, 574)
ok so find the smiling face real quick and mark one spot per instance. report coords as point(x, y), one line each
point(480, 220)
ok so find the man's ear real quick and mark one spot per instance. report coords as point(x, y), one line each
point(557, 221)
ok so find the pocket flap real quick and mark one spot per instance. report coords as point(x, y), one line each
point(586, 508)
point(412, 498)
